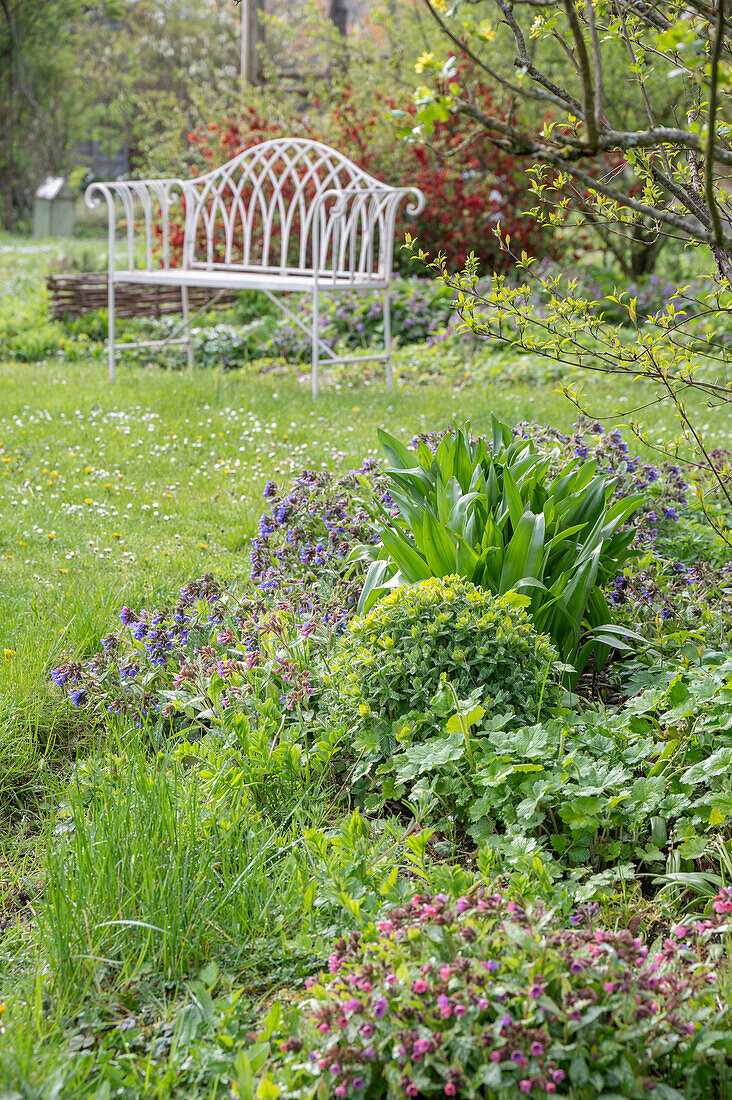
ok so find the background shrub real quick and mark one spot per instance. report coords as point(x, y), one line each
point(466, 196)
point(420, 308)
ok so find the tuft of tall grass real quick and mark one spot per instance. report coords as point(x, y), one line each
point(149, 874)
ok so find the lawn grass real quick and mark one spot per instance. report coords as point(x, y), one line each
point(118, 495)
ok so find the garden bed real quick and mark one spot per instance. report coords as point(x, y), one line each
point(252, 813)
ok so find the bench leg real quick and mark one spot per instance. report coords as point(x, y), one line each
point(316, 341)
point(387, 337)
point(110, 326)
point(187, 325)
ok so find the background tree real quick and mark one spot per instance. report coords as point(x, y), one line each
point(338, 13)
point(128, 74)
point(171, 60)
point(36, 97)
point(668, 133)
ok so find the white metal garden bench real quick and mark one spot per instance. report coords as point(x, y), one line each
point(285, 216)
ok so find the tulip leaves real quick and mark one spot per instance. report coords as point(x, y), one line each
point(498, 516)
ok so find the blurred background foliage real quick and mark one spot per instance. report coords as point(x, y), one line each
point(153, 87)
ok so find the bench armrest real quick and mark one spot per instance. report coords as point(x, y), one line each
point(350, 223)
point(153, 199)
point(380, 196)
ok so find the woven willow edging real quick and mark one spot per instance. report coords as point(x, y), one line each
point(75, 295)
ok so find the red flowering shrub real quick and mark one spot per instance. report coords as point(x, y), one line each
point(469, 185)
point(481, 998)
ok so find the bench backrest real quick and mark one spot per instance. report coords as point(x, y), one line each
point(274, 205)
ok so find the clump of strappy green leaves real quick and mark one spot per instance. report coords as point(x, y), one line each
point(495, 513)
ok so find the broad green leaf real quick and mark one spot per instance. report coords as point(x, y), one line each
point(512, 499)
point(721, 807)
point(429, 755)
point(396, 452)
point(515, 599)
point(405, 556)
point(693, 847)
point(719, 763)
point(273, 1018)
point(572, 479)
point(426, 458)
point(416, 483)
point(454, 722)
point(439, 546)
point(245, 1076)
point(268, 1089)
point(463, 467)
point(524, 553)
point(466, 559)
point(492, 534)
point(502, 434)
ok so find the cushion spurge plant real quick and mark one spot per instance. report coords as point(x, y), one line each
point(496, 514)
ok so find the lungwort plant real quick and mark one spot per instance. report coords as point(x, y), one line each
point(495, 513)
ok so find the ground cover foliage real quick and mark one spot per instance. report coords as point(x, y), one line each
point(492, 871)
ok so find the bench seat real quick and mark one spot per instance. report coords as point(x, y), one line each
point(247, 280)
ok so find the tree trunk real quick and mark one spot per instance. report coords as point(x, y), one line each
point(338, 14)
point(9, 137)
point(9, 189)
point(645, 246)
point(252, 35)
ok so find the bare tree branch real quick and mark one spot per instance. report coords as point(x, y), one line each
point(711, 126)
point(522, 145)
point(560, 96)
point(583, 60)
point(597, 65)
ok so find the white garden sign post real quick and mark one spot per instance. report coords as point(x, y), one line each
point(286, 216)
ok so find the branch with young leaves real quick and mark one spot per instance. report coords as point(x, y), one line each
point(662, 351)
